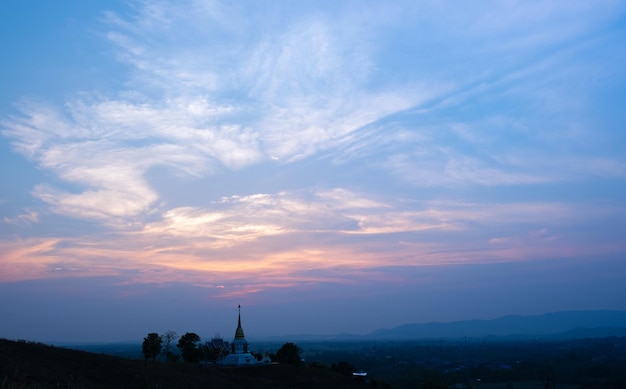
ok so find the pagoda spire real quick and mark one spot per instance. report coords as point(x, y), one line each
point(239, 332)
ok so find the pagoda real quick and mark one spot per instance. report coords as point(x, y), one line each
point(239, 354)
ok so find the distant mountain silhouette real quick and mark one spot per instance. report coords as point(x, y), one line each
point(558, 324)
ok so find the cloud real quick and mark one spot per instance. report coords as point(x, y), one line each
point(297, 240)
point(27, 259)
point(24, 219)
point(242, 218)
point(299, 92)
point(287, 146)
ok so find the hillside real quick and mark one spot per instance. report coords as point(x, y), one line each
point(34, 365)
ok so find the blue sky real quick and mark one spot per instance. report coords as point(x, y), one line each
point(330, 166)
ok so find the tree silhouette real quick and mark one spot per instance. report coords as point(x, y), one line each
point(188, 345)
point(151, 346)
point(168, 338)
point(208, 352)
point(289, 354)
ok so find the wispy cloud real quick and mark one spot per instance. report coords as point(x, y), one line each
point(24, 219)
point(213, 90)
point(298, 92)
point(275, 240)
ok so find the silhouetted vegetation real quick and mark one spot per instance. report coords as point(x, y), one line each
point(289, 354)
point(598, 363)
point(151, 346)
point(209, 353)
point(36, 366)
point(189, 347)
point(168, 339)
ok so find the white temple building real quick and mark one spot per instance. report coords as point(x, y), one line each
point(239, 354)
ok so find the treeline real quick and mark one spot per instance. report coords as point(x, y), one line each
point(192, 350)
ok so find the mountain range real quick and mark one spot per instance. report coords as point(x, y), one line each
point(558, 325)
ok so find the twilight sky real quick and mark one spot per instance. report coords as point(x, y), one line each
point(332, 166)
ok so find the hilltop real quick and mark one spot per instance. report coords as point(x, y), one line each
point(35, 365)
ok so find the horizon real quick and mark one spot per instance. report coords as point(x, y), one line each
point(375, 336)
point(333, 167)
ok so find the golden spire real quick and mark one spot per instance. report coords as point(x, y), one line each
point(239, 331)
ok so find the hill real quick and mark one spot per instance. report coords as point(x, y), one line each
point(34, 365)
point(557, 324)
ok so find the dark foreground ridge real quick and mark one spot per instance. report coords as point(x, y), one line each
point(35, 365)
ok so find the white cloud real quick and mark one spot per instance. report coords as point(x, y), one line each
point(338, 211)
point(299, 92)
point(212, 88)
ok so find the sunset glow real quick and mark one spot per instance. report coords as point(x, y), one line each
point(415, 161)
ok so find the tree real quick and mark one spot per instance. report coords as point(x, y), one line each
point(168, 338)
point(151, 346)
point(188, 345)
point(289, 354)
point(208, 353)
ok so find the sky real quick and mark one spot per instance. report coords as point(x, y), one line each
point(332, 166)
